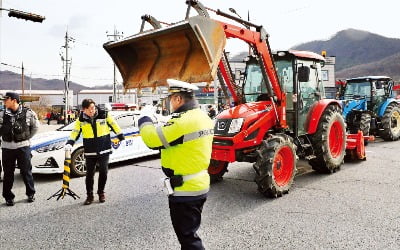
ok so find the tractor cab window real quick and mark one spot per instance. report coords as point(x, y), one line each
point(358, 90)
point(284, 69)
point(314, 86)
point(254, 86)
point(379, 88)
point(310, 91)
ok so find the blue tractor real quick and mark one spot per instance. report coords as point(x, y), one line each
point(369, 105)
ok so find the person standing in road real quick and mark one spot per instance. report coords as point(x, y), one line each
point(48, 117)
point(186, 143)
point(17, 126)
point(95, 125)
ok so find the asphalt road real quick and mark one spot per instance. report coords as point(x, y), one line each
point(355, 208)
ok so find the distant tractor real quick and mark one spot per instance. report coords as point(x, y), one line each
point(369, 105)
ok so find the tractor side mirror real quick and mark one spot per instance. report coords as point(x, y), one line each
point(303, 74)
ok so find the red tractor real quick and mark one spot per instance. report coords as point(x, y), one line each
point(280, 110)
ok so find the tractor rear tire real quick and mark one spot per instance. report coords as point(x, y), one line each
point(365, 125)
point(275, 166)
point(391, 123)
point(329, 141)
point(216, 170)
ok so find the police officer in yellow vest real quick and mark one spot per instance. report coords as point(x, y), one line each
point(185, 142)
point(95, 125)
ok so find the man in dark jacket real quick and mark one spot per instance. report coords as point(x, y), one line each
point(95, 125)
point(18, 124)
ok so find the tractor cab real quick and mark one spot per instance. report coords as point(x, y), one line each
point(375, 89)
point(299, 75)
point(369, 105)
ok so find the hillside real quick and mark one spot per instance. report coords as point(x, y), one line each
point(389, 66)
point(360, 52)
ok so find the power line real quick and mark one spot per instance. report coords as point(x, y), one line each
point(9, 65)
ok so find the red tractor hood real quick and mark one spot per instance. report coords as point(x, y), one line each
point(248, 110)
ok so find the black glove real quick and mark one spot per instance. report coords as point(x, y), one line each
point(167, 171)
point(176, 181)
point(121, 137)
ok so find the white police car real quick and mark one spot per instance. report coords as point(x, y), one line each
point(48, 148)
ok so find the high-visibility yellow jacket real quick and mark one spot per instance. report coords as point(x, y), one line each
point(186, 143)
point(95, 133)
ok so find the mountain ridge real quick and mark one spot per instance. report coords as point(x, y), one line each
point(12, 81)
point(359, 53)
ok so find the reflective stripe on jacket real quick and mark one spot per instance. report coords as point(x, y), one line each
point(186, 143)
point(95, 133)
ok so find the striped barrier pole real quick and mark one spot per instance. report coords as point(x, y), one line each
point(65, 190)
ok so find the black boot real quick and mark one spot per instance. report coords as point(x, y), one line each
point(89, 199)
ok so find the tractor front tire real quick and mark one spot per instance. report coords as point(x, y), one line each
point(216, 170)
point(391, 123)
point(275, 166)
point(329, 141)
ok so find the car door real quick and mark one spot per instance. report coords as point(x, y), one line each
point(125, 149)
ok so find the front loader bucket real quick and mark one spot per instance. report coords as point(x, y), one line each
point(188, 51)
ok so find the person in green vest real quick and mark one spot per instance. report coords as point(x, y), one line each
point(95, 124)
point(186, 143)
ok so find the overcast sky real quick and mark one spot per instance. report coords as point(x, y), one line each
point(288, 22)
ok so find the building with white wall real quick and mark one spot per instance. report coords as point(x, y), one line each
point(328, 76)
point(46, 97)
point(102, 96)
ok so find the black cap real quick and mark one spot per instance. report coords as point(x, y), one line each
point(11, 95)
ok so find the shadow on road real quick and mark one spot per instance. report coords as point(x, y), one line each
point(237, 192)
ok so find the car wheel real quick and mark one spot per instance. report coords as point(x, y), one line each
point(78, 163)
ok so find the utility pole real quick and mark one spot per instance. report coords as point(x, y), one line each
point(115, 37)
point(22, 79)
point(67, 70)
point(1, 8)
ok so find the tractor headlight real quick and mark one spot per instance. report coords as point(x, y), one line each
point(50, 147)
point(235, 126)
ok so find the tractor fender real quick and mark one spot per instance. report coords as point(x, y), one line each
point(316, 112)
point(384, 105)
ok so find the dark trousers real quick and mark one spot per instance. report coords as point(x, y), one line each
point(186, 219)
point(91, 162)
point(23, 158)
